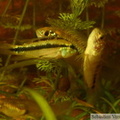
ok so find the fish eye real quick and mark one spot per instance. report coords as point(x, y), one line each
point(49, 33)
point(46, 33)
point(102, 37)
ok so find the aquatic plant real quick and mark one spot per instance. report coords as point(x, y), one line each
point(49, 77)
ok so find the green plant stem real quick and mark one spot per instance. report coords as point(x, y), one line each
point(55, 86)
point(21, 19)
point(6, 8)
point(43, 104)
point(21, 86)
point(109, 103)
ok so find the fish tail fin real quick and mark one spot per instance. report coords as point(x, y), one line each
point(5, 48)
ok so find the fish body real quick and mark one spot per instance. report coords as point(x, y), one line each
point(41, 49)
point(12, 109)
point(57, 44)
point(92, 63)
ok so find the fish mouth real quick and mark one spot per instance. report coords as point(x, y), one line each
point(46, 44)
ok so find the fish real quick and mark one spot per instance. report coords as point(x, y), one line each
point(41, 49)
point(92, 64)
point(14, 109)
point(26, 108)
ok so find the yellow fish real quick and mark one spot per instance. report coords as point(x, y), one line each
point(92, 63)
point(56, 48)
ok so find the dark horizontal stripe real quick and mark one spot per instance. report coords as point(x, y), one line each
point(19, 49)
